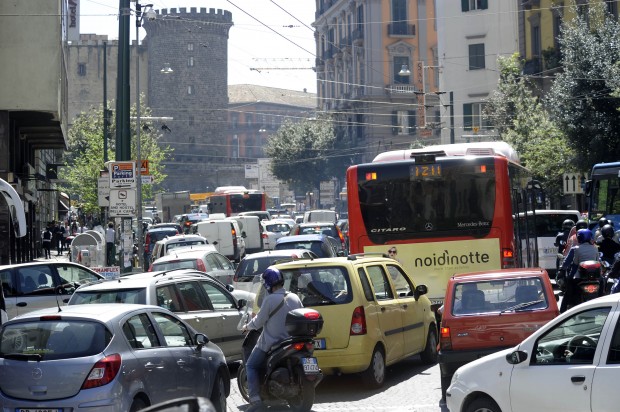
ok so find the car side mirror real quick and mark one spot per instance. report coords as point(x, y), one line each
point(201, 340)
point(230, 288)
point(419, 291)
point(241, 303)
point(516, 357)
point(243, 235)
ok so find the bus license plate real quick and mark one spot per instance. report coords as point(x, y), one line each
point(310, 365)
point(319, 343)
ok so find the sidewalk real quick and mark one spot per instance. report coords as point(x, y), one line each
point(54, 257)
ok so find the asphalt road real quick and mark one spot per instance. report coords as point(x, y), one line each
point(409, 386)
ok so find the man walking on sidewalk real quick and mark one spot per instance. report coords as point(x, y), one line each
point(46, 239)
point(110, 237)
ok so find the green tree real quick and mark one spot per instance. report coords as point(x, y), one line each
point(304, 154)
point(84, 158)
point(582, 99)
point(522, 121)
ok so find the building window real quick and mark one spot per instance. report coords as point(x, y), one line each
point(81, 69)
point(403, 122)
point(190, 89)
point(468, 5)
point(476, 56)
point(399, 17)
point(190, 61)
point(249, 119)
point(399, 62)
point(190, 46)
point(535, 31)
point(612, 8)
point(473, 116)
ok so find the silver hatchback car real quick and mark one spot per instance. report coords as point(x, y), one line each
point(106, 358)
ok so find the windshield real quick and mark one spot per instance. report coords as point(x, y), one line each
point(175, 264)
point(134, 295)
point(606, 198)
point(402, 199)
point(319, 286)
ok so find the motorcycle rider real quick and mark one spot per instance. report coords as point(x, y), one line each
point(582, 252)
point(560, 241)
point(606, 244)
point(271, 318)
point(598, 234)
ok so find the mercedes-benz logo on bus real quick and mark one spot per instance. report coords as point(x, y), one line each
point(428, 226)
point(37, 373)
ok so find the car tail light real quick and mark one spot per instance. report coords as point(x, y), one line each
point(445, 343)
point(264, 236)
point(299, 346)
point(200, 265)
point(358, 321)
point(103, 372)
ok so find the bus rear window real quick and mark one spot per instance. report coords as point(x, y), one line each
point(401, 199)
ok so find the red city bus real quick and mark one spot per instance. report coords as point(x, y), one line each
point(443, 210)
point(233, 203)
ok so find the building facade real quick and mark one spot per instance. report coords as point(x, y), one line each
point(33, 115)
point(377, 72)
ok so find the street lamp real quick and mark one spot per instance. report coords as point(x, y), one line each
point(151, 15)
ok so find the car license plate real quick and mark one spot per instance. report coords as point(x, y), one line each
point(310, 365)
point(319, 343)
point(37, 410)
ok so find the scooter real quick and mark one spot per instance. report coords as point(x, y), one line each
point(588, 279)
point(291, 372)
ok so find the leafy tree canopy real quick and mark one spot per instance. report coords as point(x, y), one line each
point(582, 99)
point(84, 158)
point(521, 120)
point(306, 153)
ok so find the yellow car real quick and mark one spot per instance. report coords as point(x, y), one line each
point(374, 314)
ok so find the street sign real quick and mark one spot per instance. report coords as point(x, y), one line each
point(144, 167)
point(122, 202)
point(103, 191)
point(122, 174)
point(147, 180)
point(571, 183)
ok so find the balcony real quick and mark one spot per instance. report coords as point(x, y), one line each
point(552, 59)
point(401, 29)
point(532, 66)
point(357, 37)
point(401, 90)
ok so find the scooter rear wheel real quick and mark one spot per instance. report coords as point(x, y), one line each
point(304, 401)
point(242, 383)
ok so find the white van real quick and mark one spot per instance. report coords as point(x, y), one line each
point(321, 216)
point(548, 225)
point(225, 235)
point(251, 230)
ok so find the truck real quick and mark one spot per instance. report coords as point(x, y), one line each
point(172, 204)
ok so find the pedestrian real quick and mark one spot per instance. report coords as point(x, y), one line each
point(110, 237)
point(65, 236)
point(46, 239)
point(59, 237)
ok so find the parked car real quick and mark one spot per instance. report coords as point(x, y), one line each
point(272, 231)
point(321, 245)
point(205, 259)
point(114, 357)
point(570, 364)
point(321, 228)
point(199, 299)
point(255, 264)
point(374, 313)
point(485, 312)
point(166, 245)
point(156, 233)
point(37, 285)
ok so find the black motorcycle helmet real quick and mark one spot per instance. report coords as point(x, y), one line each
point(581, 224)
point(567, 224)
point(607, 231)
point(602, 222)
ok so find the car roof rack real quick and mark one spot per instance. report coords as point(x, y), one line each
point(366, 254)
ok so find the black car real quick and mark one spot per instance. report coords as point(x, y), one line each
point(156, 233)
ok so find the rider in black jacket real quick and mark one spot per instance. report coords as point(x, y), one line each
point(606, 245)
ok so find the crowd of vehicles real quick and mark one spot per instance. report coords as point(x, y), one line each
point(450, 225)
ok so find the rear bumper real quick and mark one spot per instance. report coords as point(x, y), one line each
point(352, 359)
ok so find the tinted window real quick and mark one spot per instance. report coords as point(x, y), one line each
point(193, 299)
point(135, 295)
point(547, 224)
point(54, 339)
point(449, 196)
point(140, 333)
point(168, 298)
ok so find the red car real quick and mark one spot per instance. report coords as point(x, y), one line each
point(485, 312)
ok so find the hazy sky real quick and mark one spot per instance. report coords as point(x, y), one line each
point(266, 34)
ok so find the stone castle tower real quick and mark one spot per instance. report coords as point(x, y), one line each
point(194, 45)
